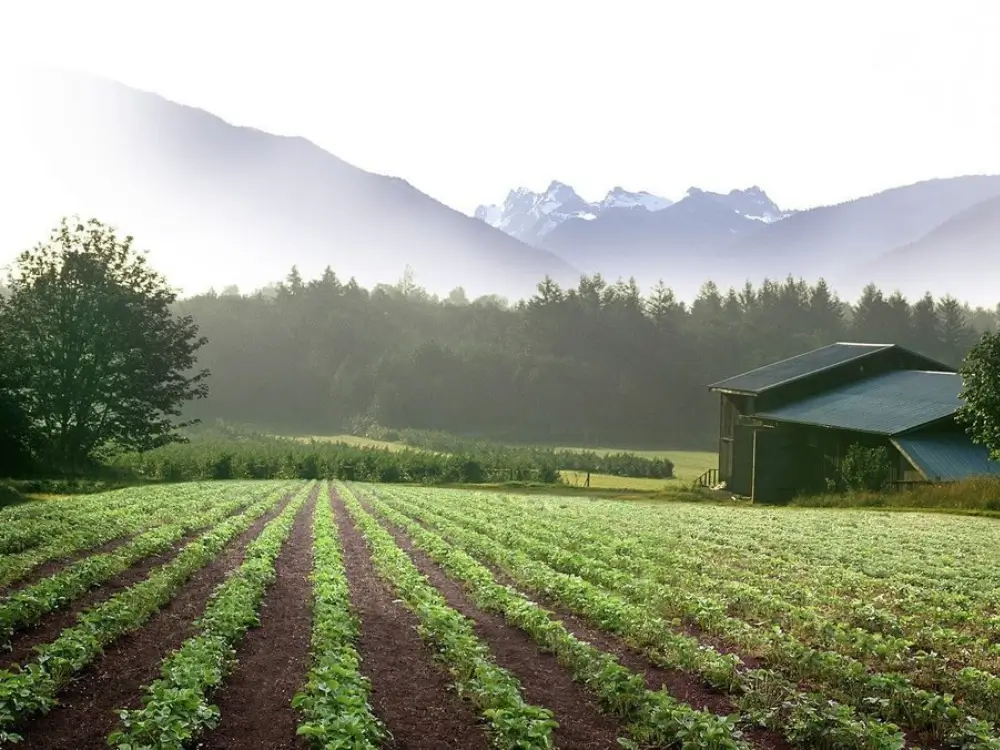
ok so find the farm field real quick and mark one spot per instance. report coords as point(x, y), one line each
point(688, 465)
point(294, 614)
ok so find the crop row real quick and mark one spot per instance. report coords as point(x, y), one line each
point(61, 530)
point(847, 665)
point(25, 607)
point(334, 701)
point(33, 688)
point(654, 718)
point(768, 698)
point(888, 696)
point(513, 723)
point(176, 707)
point(879, 568)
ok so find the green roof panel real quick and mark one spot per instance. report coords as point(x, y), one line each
point(947, 457)
point(799, 366)
point(887, 404)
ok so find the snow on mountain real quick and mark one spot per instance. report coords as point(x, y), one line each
point(531, 216)
point(752, 203)
point(618, 197)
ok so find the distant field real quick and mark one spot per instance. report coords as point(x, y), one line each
point(361, 442)
point(688, 465)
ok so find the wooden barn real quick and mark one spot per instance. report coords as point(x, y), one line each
point(784, 427)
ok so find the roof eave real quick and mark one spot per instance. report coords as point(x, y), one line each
point(732, 391)
point(922, 425)
point(720, 385)
point(820, 425)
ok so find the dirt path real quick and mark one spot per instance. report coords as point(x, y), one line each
point(583, 725)
point(410, 693)
point(87, 715)
point(255, 700)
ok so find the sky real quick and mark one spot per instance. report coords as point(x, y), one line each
point(816, 102)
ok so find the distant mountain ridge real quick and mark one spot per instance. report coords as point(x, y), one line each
point(218, 204)
point(744, 235)
point(532, 217)
point(968, 242)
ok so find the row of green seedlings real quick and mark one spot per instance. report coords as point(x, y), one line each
point(68, 532)
point(334, 701)
point(906, 594)
point(33, 688)
point(73, 534)
point(889, 696)
point(177, 707)
point(653, 717)
point(513, 723)
point(765, 697)
point(978, 689)
point(39, 522)
point(897, 641)
point(847, 624)
point(26, 607)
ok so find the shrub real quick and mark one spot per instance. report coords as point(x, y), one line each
point(864, 468)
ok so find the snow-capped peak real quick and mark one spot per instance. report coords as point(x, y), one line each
point(530, 216)
point(751, 203)
point(618, 197)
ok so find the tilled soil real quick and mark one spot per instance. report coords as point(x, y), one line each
point(23, 642)
point(409, 691)
point(87, 711)
point(583, 725)
point(45, 569)
point(681, 685)
point(256, 699)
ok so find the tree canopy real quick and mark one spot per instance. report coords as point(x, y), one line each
point(599, 364)
point(981, 376)
point(95, 355)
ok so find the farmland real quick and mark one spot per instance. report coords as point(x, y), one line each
point(314, 614)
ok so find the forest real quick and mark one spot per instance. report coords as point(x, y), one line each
point(600, 364)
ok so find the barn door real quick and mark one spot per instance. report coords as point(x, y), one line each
point(774, 465)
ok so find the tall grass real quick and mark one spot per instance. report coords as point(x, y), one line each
point(976, 494)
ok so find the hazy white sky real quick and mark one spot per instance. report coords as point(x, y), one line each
point(814, 101)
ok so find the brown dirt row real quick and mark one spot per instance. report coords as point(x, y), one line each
point(583, 724)
point(23, 642)
point(410, 693)
point(679, 684)
point(255, 701)
point(46, 569)
point(87, 711)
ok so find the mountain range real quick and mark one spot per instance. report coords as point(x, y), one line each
point(219, 204)
point(937, 235)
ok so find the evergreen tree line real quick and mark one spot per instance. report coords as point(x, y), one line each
point(602, 364)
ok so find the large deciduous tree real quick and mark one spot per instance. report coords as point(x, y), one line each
point(981, 376)
point(98, 359)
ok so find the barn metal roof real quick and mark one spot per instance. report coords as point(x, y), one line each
point(947, 457)
point(887, 404)
point(799, 366)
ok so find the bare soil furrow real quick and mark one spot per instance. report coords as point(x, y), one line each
point(582, 722)
point(45, 569)
point(410, 693)
point(87, 711)
point(255, 701)
point(23, 643)
point(681, 685)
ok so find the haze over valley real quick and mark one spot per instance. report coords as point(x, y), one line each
point(219, 204)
